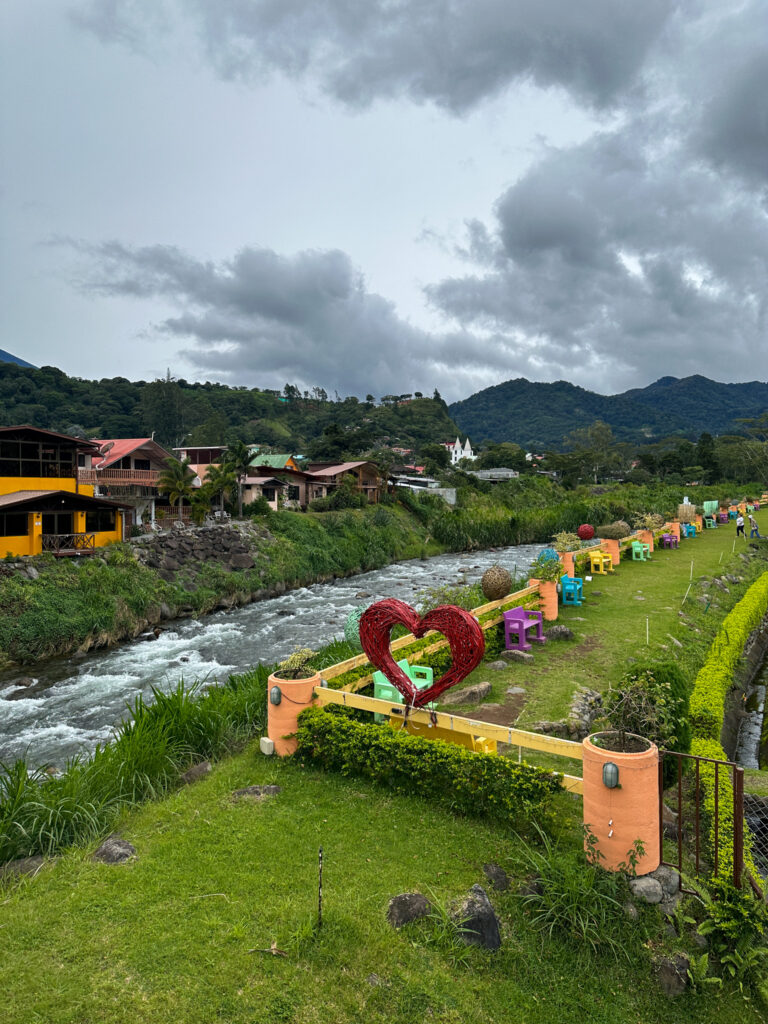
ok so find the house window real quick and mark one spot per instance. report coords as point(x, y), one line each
point(293, 492)
point(14, 524)
point(101, 520)
point(29, 458)
point(269, 493)
point(141, 464)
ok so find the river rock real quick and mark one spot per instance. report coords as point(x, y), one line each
point(672, 974)
point(467, 695)
point(497, 876)
point(256, 792)
point(524, 656)
point(647, 889)
point(197, 771)
point(477, 920)
point(559, 633)
point(114, 851)
point(407, 907)
point(242, 561)
point(21, 866)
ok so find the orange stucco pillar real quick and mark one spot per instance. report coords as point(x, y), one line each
point(646, 537)
point(617, 817)
point(612, 548)
point(567, 557)
point(547, 598)
point(282, 718)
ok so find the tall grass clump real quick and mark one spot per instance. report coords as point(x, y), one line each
point(42, 813)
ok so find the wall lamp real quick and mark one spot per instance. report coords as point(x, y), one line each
point(275, 695)
point(610, 775)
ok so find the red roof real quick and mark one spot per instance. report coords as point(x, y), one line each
point(122, 446)
point(341, 467)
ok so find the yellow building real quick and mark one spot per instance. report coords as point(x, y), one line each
point(43, 504)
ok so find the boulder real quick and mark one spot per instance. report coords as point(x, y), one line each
point(197, 771)
point(497, 876)
point(467, 695)
point(559, 633)
point(497, 666)
point(114, 851)
point(22, 866)
point(477, 920)
point(647, 889)
point(672, 974)
point(516, 691)
point(524, 656)
point(242, 561)
point(407, 907)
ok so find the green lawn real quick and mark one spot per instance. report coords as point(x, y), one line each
point(168, 937)
point(611, 624)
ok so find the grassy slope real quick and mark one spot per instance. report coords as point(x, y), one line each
point(166, 937)
point(611, 627)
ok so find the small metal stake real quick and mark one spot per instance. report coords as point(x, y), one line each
point(320, 890)
point(647, 632)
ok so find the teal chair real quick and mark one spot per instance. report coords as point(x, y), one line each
point(421, 676)
point(709, 523)
point(640, 552)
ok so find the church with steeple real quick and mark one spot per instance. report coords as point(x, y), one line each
point(458, 452)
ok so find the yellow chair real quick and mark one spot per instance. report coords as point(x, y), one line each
point(600, 562)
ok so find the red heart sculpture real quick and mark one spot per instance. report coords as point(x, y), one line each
point(461, 630)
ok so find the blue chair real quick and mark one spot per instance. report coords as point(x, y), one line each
point(571, 590)
point(421, 676)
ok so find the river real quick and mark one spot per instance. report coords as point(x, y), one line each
point(73, 705)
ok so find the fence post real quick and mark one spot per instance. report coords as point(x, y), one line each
point(738, 825)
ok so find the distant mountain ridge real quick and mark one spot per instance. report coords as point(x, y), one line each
point(540, 415)
point(7, 357)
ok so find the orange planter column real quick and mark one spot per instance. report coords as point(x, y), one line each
point(282, 718)
point(612, 548)
point(700, 520)
point(567, 557)
point(617, 817)
point(646, 537)
point(674, 528)
point(547, 598)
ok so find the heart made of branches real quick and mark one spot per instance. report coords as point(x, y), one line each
point(461, 630)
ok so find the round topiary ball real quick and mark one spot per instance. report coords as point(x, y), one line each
point(496, 583)
point(586, 532)
point(352, 626)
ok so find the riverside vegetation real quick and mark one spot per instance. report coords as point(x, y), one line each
point(78, 604)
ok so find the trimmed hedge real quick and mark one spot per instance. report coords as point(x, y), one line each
point(707, 710)
point(716, 676)
point(477, 785)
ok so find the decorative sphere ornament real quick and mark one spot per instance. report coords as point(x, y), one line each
point(496, 583)
point(352, 626)
point(585, 532)
point(549, 555)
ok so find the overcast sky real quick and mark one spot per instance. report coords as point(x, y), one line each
point(386, 195)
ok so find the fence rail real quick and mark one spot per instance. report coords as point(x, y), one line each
point(463, 726)
point(69, 541)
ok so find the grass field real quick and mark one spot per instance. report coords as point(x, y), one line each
point(638, 600)
point(169, 936)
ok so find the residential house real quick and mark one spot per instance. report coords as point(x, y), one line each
point(296, 483)
point(44, 506)
point(327, 476)
point(128, 469)
point(274, 461)
point(457, 451)
point(495, 476)
point(268, 487)
point(201, 457)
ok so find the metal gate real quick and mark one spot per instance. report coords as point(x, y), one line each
point(701, 812)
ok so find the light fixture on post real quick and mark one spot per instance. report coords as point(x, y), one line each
point(610, 775)
point(275, 695)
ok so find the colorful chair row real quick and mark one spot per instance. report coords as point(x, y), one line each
point(420, 675)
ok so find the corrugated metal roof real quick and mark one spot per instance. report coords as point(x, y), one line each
point(122, 446)
point(249, 480)
point(342, 467)
point(25, 497)
point(79, 441)
point(273, 461)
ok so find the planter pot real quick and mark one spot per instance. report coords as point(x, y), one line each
point(673, 528)
point(630, 811)
point(282, 718)
point(547, 598)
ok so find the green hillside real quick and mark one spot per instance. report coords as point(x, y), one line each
point(540, 415)
point(204, 413)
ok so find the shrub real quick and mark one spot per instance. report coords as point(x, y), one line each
point(258, 507)
point(478, 785)
point(617, 530)
point(568, 541)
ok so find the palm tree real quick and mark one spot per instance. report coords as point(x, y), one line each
point(176, 481)
point(238, 461)
point(219, 479)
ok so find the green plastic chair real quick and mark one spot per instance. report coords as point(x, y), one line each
point(421, 676)
point(709, 523)
point(640, 552)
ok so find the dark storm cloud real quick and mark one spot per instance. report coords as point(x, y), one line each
point(450, 52)
point(260, 318)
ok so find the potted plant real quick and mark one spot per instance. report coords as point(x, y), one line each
point(290, 690)
point(547, 572)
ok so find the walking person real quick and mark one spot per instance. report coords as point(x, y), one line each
point(754, 529)
point(740, 526)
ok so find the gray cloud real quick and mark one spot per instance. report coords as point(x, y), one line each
point(452, 54)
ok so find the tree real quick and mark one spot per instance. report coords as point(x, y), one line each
point(162, 406)
point(594, 444)
point(176, 481)
point(505, 455)
point(219, 479)
point(238, 462)
point(437, 454)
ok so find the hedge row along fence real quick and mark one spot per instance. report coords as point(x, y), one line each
point(473, 784)
point(707, 711)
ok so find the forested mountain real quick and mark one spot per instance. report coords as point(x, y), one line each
point(198, 414)
point(8, 357)
point(540, 415)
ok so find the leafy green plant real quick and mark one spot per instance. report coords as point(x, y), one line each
point(297, 665)
point(699, 976)
point(566, 541)
point(548, 570)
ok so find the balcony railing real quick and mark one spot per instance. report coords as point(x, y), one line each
point(69, 541)
point(119, 477)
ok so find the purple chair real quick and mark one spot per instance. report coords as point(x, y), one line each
point(669, 540)
point(723, 517)
point(522, 622)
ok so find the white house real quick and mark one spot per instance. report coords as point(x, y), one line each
point(457, 452)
